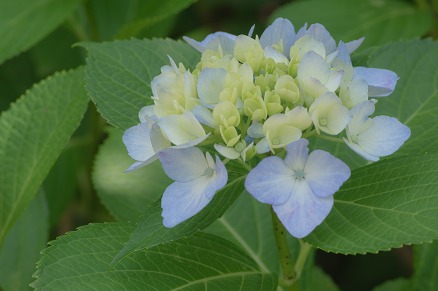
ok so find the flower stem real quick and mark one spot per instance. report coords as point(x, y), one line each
point(286, 263)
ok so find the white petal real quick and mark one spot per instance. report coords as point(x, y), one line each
point(300, 117)
point(270, 181)
point(181, 201)
point(228, 152)
point(314, 66)
point(334, 80)
point(320, 33)
point(138, 143)
point(278, 57)
point(385, 136)
point(381, 82)
point(211, 82)
point(297, 153)
point(303, 211)
point(146, 113)
point(280, 29)
point(182, 128)
point(360, 115)
point(183, 165)
point(325, 173)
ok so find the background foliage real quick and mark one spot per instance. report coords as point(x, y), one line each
point(62, 159)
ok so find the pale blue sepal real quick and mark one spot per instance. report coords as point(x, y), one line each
point(304, 211)
point(271, 181)
point(197, 179)
point(181, 201)
point(381, 82)
point(354, 44)
point(280, 30)
point(325, 174)
point(213, 41)
point(183, 165)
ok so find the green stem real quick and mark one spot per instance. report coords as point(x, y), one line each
point(302, 257)
point(286, 263)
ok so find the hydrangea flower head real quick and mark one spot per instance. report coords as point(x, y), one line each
point(253, 99)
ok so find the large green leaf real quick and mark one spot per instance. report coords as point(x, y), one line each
point(32, 135)
point(119, 74)
point(81, 260)
point(150, 230)
point(24, 22)
point(126, 195)
point(383, 206)
point(22, 246)
point(415, 99)
point(426, 267)
point(379, 21)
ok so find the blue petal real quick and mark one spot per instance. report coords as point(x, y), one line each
point(280, 29)
point(303, 211)
point(325, 173)
point(297, 154)
point(385, 136)
point(212, 42)
point(138, 143)
point(381, 82)
point(181, 201)
point(183, 165)
point(218, 180)
point(270, 181)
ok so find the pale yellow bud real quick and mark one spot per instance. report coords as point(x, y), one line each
point(287, 89)
point(273, 103)
point(225, 113)
point(229, 135)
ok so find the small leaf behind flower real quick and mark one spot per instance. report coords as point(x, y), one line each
point(150, 230)
point(81, 260)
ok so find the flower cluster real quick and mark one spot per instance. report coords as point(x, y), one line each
point(254, 99)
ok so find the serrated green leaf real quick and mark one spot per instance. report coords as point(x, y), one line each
point(150, 230)
point(415, 99)
point(119, 74)
point(379, 21)
point(23, 23)
point(383, 206)
point(399, 284)
point(153, 12)
point(22, 246)
point(81, 260)
point(426, 267)
point(32, 135)
point(125, 195)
